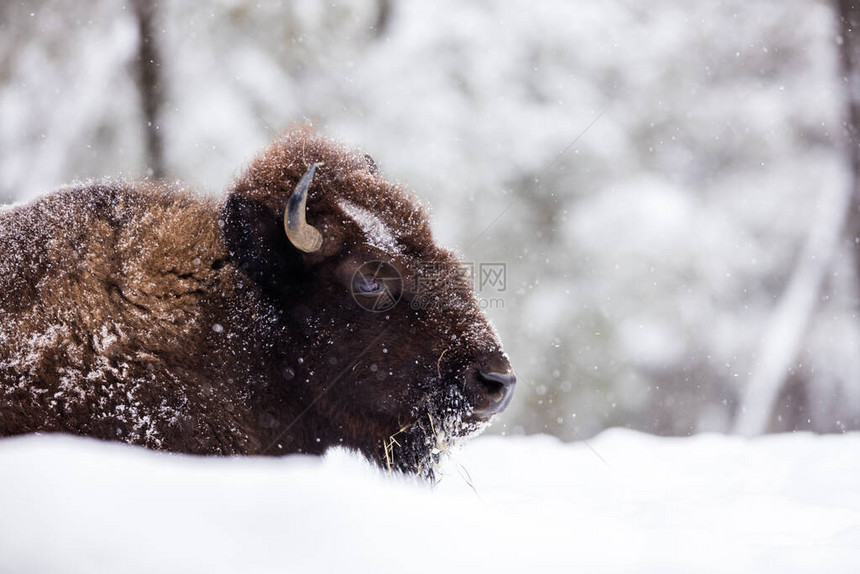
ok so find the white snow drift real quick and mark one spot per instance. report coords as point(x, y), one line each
point(635, 503)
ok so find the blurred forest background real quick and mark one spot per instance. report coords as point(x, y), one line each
point(667, 184)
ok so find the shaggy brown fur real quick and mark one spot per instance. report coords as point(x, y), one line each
point(147, 314)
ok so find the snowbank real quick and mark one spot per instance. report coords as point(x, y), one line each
point(635, 503)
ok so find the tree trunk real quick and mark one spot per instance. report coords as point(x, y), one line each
point(849, 52)
point(840, 213)
point(383, 18)
point(149, 84)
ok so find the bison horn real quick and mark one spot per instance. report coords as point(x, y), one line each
point(304, 236)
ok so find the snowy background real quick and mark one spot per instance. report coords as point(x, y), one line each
point(653, 177)
point(649, 176)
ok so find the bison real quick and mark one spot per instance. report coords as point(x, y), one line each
point(309, 308)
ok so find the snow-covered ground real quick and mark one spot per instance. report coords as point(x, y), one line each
point(629, 502)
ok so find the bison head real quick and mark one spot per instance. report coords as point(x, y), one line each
point(375, 340)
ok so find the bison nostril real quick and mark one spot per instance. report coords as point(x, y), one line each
point(496, 382)
point(499, 388)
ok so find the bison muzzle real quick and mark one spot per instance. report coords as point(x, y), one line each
point(310, 308)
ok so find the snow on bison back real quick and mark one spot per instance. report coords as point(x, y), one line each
point(310, 308)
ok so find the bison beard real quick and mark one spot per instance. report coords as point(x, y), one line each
point(146, 314)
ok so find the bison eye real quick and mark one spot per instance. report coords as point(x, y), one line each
point(369, 286)
point(376, 286)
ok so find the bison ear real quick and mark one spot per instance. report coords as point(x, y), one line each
point(255, 237)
